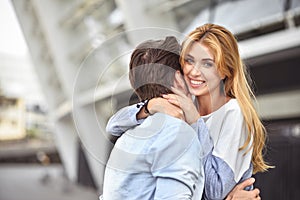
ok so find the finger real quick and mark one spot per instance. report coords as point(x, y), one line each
point(176, 112)
point(180, 112)
point(246, 183)
point(229, 197)
point(181, 93)
point(166, 96)
point(254, 194)
point(256, 191)
point(178, 92)
point(170, 96)
point(174, 102)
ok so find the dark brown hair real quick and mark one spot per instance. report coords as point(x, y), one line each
point(152, 67)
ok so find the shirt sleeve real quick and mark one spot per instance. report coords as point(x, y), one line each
point(226, 164)
point(123, 120)
point(203, 136)
point(178, 166)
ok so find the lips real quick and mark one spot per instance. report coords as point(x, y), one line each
point(194, 82)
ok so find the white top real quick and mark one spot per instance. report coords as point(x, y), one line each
point(228, 131)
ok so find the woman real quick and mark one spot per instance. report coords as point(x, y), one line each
point(216, 77)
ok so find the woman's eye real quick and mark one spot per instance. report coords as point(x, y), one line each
point(208, 64)
point(189, 61)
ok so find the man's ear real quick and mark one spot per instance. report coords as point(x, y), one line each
point(179, 82)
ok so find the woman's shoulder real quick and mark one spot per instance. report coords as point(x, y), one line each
point(230, 110)
point(233, 105)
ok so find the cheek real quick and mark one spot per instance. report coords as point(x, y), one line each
point(184, 69)
point(213, 74)
point(185, 78)
point(213, 81)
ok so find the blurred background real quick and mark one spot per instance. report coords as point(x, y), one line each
point(63, 73)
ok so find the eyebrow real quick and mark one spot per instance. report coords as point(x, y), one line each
point(190, 56)
point(208, 59)
point(204, 59)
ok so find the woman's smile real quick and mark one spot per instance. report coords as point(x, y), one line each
point(196, 83)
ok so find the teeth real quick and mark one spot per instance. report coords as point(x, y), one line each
point(196, 82)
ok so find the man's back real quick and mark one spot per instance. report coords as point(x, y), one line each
point(160, 158)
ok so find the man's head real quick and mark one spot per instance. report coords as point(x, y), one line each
point(153, 66)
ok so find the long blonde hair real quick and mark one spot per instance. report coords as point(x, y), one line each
point(224, 47)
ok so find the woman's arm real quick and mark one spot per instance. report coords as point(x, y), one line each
point(219, 177)
point(227, 164)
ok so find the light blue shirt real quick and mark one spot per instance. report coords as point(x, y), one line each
point(224, 164)
point(160, 159)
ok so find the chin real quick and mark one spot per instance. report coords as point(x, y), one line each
point(198, 92)
point(195, 92)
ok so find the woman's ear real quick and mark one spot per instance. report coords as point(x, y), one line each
point(222, 76)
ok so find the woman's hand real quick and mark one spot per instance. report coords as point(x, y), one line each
point(185, 102)
point(162, 105)
point(238, 192)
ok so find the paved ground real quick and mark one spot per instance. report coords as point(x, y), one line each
point(35, 182)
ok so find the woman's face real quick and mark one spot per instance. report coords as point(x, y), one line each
point(200, 72)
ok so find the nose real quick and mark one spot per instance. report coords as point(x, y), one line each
point(195, 70)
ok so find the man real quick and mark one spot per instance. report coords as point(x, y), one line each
point(161, 158)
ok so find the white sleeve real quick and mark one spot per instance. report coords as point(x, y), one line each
point(226, 165)
point(233, 136)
